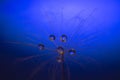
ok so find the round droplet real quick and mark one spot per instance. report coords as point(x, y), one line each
point(59, 59)
point(52, 37)
point(63, 38)
point(41, 46)
point(60, 50)
point(72, 52)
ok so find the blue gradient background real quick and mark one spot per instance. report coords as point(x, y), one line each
point(38, 19)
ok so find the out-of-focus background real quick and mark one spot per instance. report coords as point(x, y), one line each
point(92, 28)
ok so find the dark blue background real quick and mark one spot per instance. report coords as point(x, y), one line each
point(24, 19)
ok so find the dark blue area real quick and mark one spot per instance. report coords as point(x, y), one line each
point(95, 35)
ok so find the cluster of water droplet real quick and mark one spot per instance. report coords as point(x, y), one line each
point(59, 49)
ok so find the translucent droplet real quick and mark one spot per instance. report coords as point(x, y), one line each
point(72, 52)
point(59, 59)
point(41, 46)
point(60, 50)
point(52, 37)
point(63, 38)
